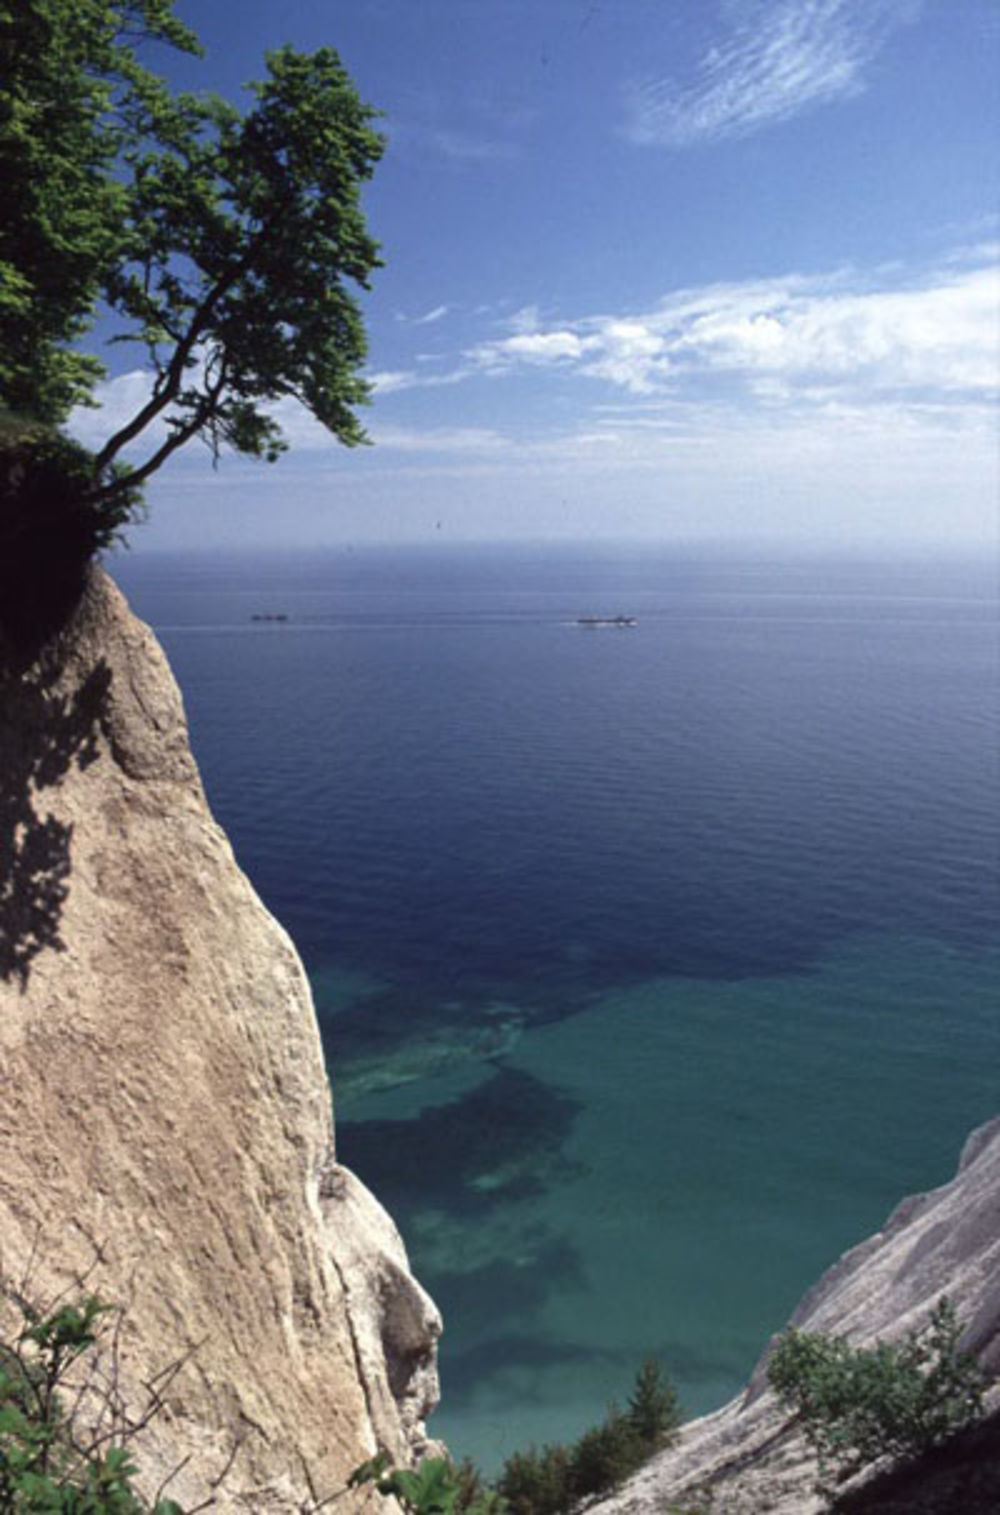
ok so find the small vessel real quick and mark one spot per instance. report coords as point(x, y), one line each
point(268, 616)
point(607, 620)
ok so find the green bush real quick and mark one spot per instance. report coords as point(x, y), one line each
point(605, 1455)
point(436, 1487)
point(861, 1404)
point(537, 1482)
point(51, 1463)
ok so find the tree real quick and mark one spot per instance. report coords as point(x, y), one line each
point(64, 69)
point(228, 245)
point(653, 1407)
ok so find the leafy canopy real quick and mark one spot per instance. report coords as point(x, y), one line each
point(229, 245)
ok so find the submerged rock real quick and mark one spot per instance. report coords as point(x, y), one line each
point(165, 1115)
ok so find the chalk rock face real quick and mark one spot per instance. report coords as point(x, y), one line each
point(164, 1108)
point(746, 1455)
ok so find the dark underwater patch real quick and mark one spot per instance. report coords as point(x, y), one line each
point(501, 1141)
point(517, 1289)
point(501, 1361)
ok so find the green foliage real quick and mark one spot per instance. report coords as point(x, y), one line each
point(47, 1465)
point(550, 1481)
point(228, 245)
point(605, 1455)
point(858, 1405)
point(537, 1482)
point(436, 1487)
point(546, 1482)
point(654, 1410)
point(64, 66)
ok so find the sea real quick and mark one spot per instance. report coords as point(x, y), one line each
point(655, 963)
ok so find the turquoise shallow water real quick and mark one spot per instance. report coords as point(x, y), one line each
point(669, 1168)
point(653, 966)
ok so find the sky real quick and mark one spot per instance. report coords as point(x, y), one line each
point(656, 270)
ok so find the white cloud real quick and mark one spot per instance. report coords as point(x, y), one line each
point(428, 319)
point(780, 57)
point(431, 316)
point(536, 347)
point(440, 439)
point(388, 381)
point(117, 401)
point(939, 334)
point(391, 381)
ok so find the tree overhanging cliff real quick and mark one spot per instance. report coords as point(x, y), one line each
point(228, 245)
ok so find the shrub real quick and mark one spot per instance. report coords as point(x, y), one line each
point(605, 1455)
point(436, 1487)
point(861, 1404)
point(537, 1483)
point(52, 1462)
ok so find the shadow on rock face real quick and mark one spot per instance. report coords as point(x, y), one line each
point(42, 735)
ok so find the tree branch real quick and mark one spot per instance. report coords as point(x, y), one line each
point(166, 393)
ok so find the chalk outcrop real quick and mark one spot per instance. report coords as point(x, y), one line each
point(164, 1108)
point(747, 1459)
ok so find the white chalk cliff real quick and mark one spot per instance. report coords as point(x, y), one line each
point(164, 1107)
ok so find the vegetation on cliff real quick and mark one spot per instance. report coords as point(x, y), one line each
point(858, 1405)
point(68, 1438)
point(65, 1434)
point(227, 245)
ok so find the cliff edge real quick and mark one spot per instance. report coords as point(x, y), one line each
point(749, 1457)
point(165, 1117)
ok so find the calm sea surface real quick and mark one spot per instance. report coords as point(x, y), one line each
point(653, 965)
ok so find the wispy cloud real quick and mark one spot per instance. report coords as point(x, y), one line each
point(456, 144)
point(431, 316)
point(393, 380)
point(778, 58)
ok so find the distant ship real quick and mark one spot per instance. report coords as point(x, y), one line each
point(267, 616)
point(607, 620)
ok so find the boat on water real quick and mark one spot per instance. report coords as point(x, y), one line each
point(264, 615)
point(607, 620)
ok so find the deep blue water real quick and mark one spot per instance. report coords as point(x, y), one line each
point(653, 965)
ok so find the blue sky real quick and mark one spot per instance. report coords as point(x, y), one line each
point(655, 269)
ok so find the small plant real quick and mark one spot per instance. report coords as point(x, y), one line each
point(861, 1404)
point(436, 1487)
point(51, 1463)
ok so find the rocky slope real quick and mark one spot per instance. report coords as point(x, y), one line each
point(164, 1112)
point(748, 1460)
